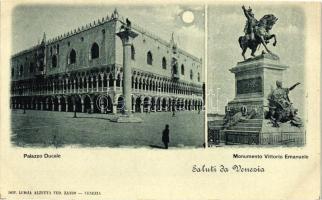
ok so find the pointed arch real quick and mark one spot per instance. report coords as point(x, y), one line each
point(149, 58)
point(191, 74)
point(54, 61)
point(94, 51)
point(164, 63)
point(72, 57)
point(182, 69)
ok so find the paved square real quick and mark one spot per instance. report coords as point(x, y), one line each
point(47, 128)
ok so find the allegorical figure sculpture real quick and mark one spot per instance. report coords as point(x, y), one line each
point(127, 26)
point(256, 32)
point(280, 107)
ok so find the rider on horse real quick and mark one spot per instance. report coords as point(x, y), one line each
point(257, 32)
point(250, 24)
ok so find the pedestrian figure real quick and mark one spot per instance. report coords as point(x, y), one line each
point(173, 112)
point(165, 136)
point(75, 116)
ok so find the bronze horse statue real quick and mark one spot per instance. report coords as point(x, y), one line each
point(261, 35)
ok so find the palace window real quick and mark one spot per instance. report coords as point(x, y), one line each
point(149, 58)
point(132, 52)
point(191, 74)
point(31, 67)
point(164, 63)
point(175, 69)
point(198, 77)
point(94, 51)
point(54, 61)
point(20, 70)
point(182, 69)
point(57, 49)
point(72, 57)
point(51, 51)
point(12, 72)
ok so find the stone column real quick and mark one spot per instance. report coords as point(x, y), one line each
point(41, 106)
point(63, 86)
point(102, 82)
point(127, 36)
point(87, 84)
point(59, 105)
point(114, 84)
point(92, 106)
point(122, 88)
point(107, 84)
point(78, 85)
point(141, 108)
point(71, 87)
point(66, 85)
point(114, 108)
point(83, 84)
point(101, 103)
point(83, 107)
point(74, 85)
point(97, 84)
point(92, 84)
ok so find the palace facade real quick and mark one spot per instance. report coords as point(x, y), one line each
point(82, 71)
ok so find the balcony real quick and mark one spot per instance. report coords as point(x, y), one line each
point(175, 76)
point(40, 73)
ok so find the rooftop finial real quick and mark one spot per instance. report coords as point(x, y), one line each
point(173, 44)
point(115, 14)
point(43, 38)
point(172, 37)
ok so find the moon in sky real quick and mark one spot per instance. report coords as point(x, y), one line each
point(187, 16)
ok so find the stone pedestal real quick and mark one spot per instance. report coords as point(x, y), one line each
point(254, 79)
point(284, 134)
